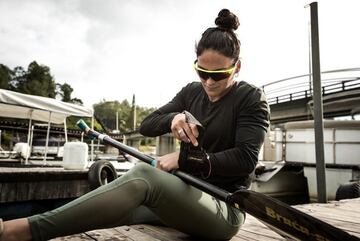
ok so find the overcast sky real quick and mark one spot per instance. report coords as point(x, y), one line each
point(112, 49)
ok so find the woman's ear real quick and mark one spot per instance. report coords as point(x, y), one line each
point(238, 66)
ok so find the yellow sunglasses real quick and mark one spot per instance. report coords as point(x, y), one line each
point(216, 75)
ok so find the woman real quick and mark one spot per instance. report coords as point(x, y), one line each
point(224, 150)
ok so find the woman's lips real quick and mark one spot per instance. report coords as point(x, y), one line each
point(211, 88)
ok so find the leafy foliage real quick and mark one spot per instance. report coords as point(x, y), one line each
point(65, 91)
point(36, 80)
point(106, 111)
point(6, 76)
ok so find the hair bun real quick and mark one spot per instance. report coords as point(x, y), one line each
point(227, 20)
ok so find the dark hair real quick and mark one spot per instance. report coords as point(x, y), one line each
point(221, 38)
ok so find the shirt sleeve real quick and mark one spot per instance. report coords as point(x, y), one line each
point(251, 127)
point(159, 122)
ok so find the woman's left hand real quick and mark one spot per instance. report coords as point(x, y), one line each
point(168, 162)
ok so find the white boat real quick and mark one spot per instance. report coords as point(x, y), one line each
point(292, 147)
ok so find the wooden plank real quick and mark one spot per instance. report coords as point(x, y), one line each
point(76, 237)
point(333, 206)
point(344, 214)
point(335, 217)
point(341, 209)
point(243, 237)
point(255, 226)
point(132, 233)
point(163, 233)
point(258, 235)
point(348, 204)
point(245, 234)
point(107, 234)
point(333, 214)
point(352, 227)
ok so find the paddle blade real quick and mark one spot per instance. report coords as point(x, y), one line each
point(286, 219)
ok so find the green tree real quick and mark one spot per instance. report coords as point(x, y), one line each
point(77, 101)
point(6, 76)
point(65, 91)
point(19, 78)
point(143, 112)
point(106, 112)
point(37, 80)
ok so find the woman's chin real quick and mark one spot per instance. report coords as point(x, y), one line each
point(213, 95)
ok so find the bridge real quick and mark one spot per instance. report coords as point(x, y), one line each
point(290, 99)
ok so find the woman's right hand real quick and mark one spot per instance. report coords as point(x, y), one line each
point(184, 131)
point(168, 162)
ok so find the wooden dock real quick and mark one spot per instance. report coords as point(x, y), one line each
point(41, 183)
point(344, 214)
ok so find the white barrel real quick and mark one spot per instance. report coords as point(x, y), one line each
point(75, 155)
point(23, 149)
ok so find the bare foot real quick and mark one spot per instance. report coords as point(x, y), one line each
point(16, 230)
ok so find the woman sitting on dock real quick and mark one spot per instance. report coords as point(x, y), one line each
point(235, 118)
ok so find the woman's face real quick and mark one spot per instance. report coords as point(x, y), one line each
point(213, 60)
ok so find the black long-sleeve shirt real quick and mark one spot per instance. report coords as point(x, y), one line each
point(235, 127)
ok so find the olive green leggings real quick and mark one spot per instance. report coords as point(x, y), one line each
point(142, 195)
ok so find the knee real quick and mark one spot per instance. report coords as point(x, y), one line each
point(136, 177)
point(141, 170)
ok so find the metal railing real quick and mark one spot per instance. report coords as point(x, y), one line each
point(300, 87)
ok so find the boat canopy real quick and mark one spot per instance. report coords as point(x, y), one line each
point(31, 107)
point(23, 106)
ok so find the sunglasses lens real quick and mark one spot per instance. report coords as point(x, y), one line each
point(215, 76)
point(219, 76)
point(203, 74)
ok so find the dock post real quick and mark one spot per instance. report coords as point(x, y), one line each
point(318, 108)
point(165, 144)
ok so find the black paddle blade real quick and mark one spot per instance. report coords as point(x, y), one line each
point(285, 218)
